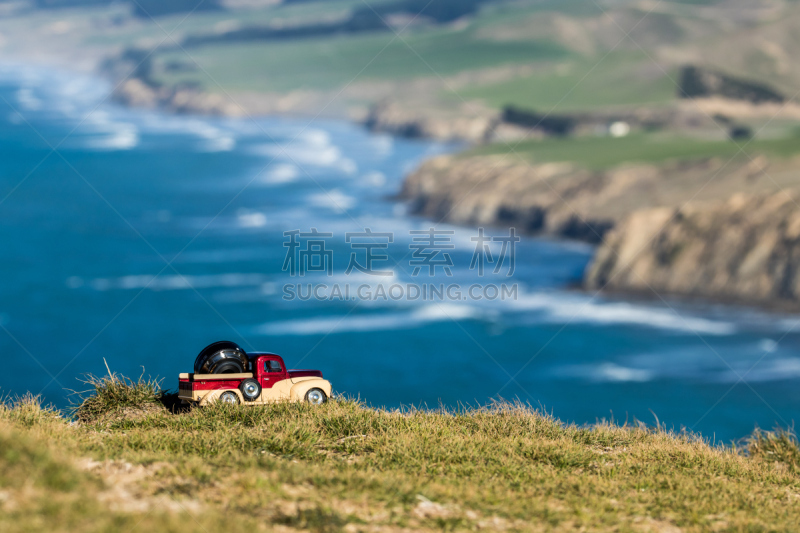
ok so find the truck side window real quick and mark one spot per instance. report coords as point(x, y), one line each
point(272, 366)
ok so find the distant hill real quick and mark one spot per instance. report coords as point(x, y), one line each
point(142, 8)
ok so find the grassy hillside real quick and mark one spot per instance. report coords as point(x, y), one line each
point(600, 153)
point(321, 63)
point(596, 53)
point(131, 465)
point(577, 85)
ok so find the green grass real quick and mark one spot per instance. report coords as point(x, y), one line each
point(343, 466)
point(504, 12)
point(600, 153)
point(621, 79)
point(206, 21)
point(327, 63)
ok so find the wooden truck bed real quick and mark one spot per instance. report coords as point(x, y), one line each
point(209, 377)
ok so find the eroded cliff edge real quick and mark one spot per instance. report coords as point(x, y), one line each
point(745, 249)
point(716, 228)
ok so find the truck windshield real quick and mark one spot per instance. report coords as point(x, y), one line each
point(272, 366)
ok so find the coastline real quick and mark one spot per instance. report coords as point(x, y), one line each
point(583, 205)
point(723, 244)
point(570, 202)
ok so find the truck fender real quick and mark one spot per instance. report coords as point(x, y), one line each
point(299, 390)
point(214, 395)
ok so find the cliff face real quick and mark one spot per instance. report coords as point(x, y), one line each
point(470, 125)
point(490, 191)
point(747, 248)
point(560, 199)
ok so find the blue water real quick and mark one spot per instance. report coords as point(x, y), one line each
point(144, 237)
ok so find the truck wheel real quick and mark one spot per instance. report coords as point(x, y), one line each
point(316, 397)
point(229, 397)
point(251, 390)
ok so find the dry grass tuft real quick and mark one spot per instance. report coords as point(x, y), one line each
point(116, 397)
point(779, 446)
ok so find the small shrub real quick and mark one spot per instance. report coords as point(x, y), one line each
point(118, 395)
point(740, 133)
point(775, 446)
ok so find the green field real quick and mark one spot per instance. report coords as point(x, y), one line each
point(600, 153)
point(127, 464)
point(326, 63)
point(619, 79)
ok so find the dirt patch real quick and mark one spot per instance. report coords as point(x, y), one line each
point(130, 488)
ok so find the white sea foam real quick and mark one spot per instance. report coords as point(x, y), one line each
point(225, 255)
point(314, 137)
point(27, 100)
point(222, 143)
point(335, 200)
point(213, 139)
point(121, 137)
point(779, 369)
point(382, 144)
point(303, 154)
point(372, 322)
point(374, 179)
point(747, 362)
point(312, 148)
point(251, 219)
point(606, 372)
point(767, 345)
point(169, 282)
point(559, 307)
point(281, 173)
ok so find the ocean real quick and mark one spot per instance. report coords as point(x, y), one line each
point(133, 238)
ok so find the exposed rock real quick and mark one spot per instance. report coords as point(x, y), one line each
point(425, 123)
point(563, 200)
point(475, 124)
point(135, 92)
point(551, 198)
point(747, 248)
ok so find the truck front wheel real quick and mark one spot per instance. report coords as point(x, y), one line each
point(229, 397)
point(316, 397)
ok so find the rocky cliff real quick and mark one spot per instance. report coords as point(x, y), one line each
point(747, 248)
point(493, 191)
point(659, 228)
point(564, 200)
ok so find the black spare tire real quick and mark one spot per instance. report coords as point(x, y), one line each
point(223, 357)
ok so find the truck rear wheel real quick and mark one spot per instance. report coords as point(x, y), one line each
point(316, 396)
point(251, 389)
point(229, 397)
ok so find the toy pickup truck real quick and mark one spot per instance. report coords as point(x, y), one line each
point(226, 373)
